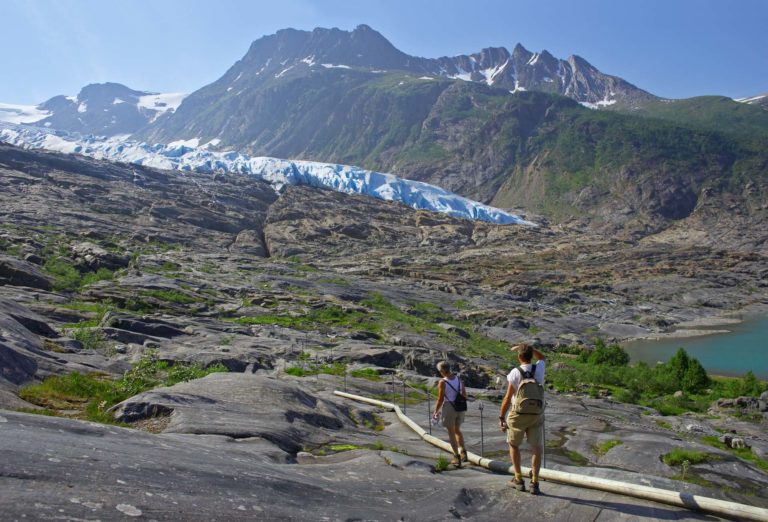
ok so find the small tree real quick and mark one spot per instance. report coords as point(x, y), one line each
point(612, 355)
point(688, 372)
point(749, 385)
point(696, 378)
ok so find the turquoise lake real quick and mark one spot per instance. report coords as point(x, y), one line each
point(744, 348)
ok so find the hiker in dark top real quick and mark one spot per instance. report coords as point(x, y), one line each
point(526, 415)
point(449, 387)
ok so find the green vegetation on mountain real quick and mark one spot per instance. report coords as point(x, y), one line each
point(538, 151)
point(716, 113)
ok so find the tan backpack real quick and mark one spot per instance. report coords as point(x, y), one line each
point(529, 397)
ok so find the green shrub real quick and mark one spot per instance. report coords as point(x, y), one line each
point(102, 274)
point(181, 372)
point(605, 447)
point(91, 338)
point(612, 355)
point(94, 393)
point(344, 447)
point(171, 296)
point(297, 371)
point(337, 368)
point(576, 457)
point(366, 373)
point(442, 463)
point(65, 277)
point(677, 456)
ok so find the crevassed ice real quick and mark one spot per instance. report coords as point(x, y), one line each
point(185, 155)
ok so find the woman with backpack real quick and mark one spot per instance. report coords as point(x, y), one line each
point(452, 401)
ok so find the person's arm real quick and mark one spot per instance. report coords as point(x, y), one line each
point(505, 406)
point(440, 397)
point(538, 355)
point(462, 388)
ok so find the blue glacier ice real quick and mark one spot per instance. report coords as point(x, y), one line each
point(187, 156)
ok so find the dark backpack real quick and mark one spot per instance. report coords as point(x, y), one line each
point(460, 403)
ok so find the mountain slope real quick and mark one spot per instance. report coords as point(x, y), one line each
point(717, 113)
point(541, 152)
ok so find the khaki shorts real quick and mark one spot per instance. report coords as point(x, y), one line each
point(530, 426)
point(451, 418)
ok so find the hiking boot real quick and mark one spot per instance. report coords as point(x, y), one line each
point(517, 484)
point(456, 461)
point(464, 456)
point(535, 488)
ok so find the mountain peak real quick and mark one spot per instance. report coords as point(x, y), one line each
point(519, 49)
point(578, 61)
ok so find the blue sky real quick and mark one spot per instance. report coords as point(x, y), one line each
point(672, 48)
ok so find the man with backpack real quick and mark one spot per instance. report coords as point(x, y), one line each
point(525, 401)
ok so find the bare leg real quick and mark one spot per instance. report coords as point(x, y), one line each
point(535, 462)
point(452, 440)
point(459, 438)
point(514, 453)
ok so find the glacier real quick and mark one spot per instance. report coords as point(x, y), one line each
point(181, 156)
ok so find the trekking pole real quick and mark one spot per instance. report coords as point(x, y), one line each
point(429, 410)
point(482, 432)
point(403, 394)
point(544, 438)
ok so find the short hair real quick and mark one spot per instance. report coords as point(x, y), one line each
point(524, 351)
point(443, 367)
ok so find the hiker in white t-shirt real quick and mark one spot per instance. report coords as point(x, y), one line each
point(526, 415)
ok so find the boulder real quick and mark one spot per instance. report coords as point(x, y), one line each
point(16, 272)
point(95, 257)
point(454, 330)
point(241, 406)
point(153, 328)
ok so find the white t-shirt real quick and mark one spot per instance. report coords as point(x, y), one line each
point(515, 376)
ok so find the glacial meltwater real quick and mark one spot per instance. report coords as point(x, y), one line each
point(744, 347)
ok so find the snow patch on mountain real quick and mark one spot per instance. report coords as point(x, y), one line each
point(161, 103)
point(596, 105)
point(753, 99)
point(11, 113)
point(184, 155)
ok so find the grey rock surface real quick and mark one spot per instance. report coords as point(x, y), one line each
point(54, 468)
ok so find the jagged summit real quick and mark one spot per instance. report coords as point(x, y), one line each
point(319, 60)
point(291, 51)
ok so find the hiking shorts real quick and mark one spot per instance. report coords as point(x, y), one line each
point(451, 418)
point(521, 425)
